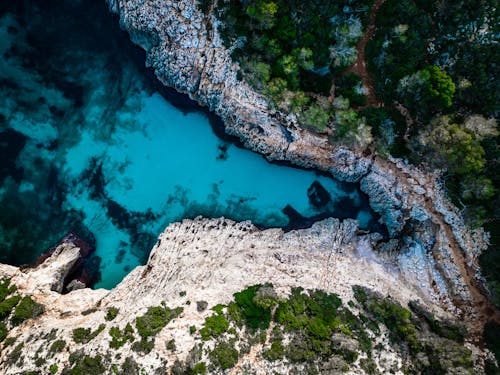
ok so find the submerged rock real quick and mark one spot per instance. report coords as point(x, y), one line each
point(318, 196)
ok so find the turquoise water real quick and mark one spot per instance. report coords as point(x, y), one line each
point(94, 148)
point(169, 164)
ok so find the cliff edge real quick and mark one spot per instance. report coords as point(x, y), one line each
point(185, 305)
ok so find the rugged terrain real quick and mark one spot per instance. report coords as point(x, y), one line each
point(430, 255)
point(199, 264)
point(186, 52)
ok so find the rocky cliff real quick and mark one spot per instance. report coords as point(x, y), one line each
point(182, 309)
point(203, 263)
point(186, 52)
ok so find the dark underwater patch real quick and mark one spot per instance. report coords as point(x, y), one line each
point(318, 196)
point(11, 144)
point(59, 43)
point(56, 41)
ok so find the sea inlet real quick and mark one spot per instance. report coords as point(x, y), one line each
point(90, 142)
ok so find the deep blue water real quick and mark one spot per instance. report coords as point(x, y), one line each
point(90, 142)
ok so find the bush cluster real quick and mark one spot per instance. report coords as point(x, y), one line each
point(26, 309)
point(84, 335)
point(81, 364)
point(152, 322)
point(119, 338)
point(433, 345)
point(111, 313)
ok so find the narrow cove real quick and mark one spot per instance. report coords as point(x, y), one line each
point(88, 144)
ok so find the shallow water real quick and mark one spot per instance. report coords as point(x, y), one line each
point(88, 144)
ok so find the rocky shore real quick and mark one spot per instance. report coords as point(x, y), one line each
point(429, 257)
point(199, 262)
point(186, 52)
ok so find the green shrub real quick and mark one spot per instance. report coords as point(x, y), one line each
point(369, 366)
point(235, 314)
point(171, 345)
point(130, 367)
point(143, 346)
point(224, 356)
point(275, 352)
point(311, 318)
point(111, 313)
point(119, 338)
point(26, 309)
point(6, 288)
point(85, 365)
point(39, 362)
point(360, 294)
point(450, 330)
point(7, 305)
point(316, 118)
point(57, 346)
point(84, 335)
point(199, 368)
point(15, 354)
point(254, 315)
point(152, 322)
point(396, 318)
point(9, 341)
point(53, 368)
point(89, 311)
point(155, 319)
point(214, 326)
point(3, 331)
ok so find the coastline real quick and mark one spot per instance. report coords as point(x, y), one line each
point(430, 256)
point(186, 53)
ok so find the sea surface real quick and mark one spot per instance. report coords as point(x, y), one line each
point(90, 142)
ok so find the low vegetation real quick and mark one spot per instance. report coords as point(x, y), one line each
point(111, 313)
point(434, 346)
point(295, 53)
point(152, 322)
point(26, 309)
point(81, 364)
point(313, 331)
point(432, 81)
point(84, 335)
point(15, 307)
point(57, 346)
point(120, 338)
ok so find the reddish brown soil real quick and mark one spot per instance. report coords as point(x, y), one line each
point(359, 67)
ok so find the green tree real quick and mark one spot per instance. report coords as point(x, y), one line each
point(263, 12)
point(256, 73)
point(440, 86)
point(289, 68)
point(458, 148)
point(304, 57)
point(477, 188)
point(317, 116)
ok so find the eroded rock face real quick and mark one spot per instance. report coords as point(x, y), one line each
point(203, 260)
point(186, 52)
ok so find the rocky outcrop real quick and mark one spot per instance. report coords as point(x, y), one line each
point(186, 52)
point(198, 260)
